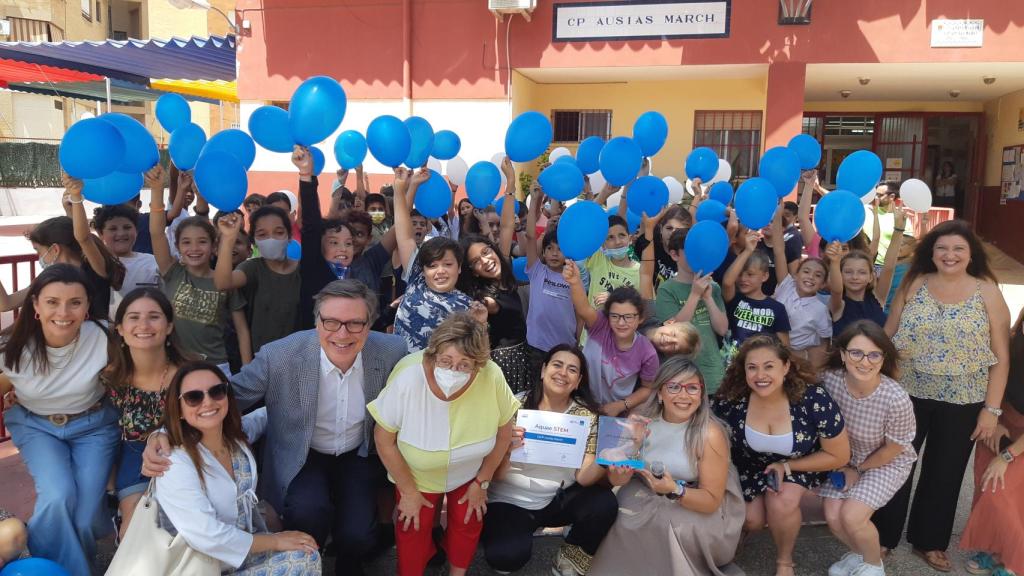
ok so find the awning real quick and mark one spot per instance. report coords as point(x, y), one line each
point(136, 61)
point(121, 92)
point(12, 71)
point(216, 90)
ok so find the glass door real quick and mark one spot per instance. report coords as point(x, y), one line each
point(899, 142)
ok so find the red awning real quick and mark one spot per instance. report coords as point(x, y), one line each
point(15, 71)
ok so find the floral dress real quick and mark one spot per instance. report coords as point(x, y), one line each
point(141, 411)
point(814, 417)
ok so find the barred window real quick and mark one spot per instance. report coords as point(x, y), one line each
point(734, 135)
point(578, 125)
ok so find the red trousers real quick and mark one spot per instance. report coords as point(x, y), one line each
point(416, 547)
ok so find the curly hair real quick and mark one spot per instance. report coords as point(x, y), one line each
point(799, 377)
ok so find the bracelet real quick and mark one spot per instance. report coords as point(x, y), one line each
point(73, 201)
point(899, 229)
point(625, 403)
point(785, 466)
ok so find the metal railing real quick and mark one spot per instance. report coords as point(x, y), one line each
point(22, 271)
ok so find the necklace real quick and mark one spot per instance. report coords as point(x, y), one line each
point(67, 358)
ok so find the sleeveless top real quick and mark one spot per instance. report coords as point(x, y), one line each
point(945, 349)
point(853, 310)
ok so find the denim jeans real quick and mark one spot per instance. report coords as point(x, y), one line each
point(70, 465)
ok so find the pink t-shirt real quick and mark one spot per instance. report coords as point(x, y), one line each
point(613, 372)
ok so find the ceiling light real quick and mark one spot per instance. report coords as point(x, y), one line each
point(845, 93)
point(988, 79)
point(954, 93)
point(864, 80)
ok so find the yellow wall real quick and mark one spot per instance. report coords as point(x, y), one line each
point(676, 99)
point(1001, 118)
point(893, 106)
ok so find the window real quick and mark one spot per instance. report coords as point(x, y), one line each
point(119, 35)
point(578, 125)
point(99, 11)
point(87, 9)
point(849, 125)
point(734, 136)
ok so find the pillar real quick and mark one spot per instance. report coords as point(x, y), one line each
point(784, 108)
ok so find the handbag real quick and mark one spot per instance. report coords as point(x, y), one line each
point(149, 550)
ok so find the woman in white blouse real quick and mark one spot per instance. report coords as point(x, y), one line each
point(209, 493)
point(52, 357)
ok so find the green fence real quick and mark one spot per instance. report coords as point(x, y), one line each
point(35, 165)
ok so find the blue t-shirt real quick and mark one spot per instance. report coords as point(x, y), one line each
point(422, 309)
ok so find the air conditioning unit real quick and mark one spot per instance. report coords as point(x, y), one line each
point(501, 7)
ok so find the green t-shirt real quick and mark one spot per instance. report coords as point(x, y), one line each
point(200, 312)
point(605, 276)
point(672, 294)
point(886, 224)
point(273, 302)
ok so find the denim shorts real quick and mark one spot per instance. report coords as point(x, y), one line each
point(129, 479)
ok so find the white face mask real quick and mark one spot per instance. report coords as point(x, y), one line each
point(272, 248)
point(42, 259)
point(450, 381)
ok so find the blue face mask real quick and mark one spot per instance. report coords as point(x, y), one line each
point(340, 270)
point(616, 253)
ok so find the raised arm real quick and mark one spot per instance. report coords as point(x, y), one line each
point(360, 184)
point(224, 276)
point(876, 232)
point(779, 248)
point(736, 268)
point(508, 209)
point(645, 170)
point(583, 308)
point(91, 253)
point(892, 254)
point(536, 201)
point(157, 221)
point(808, 184)
point(835, 279)
point(403, 223)
point(647, 257)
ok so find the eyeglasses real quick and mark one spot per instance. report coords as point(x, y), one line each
point(857, 355)
point(194, 398)
point(622, 318)
point(465, 366)
point(486, 252)
point(691, 388)
point(351, 326)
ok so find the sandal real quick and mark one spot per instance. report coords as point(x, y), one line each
point(981, 563)
point(936, 559)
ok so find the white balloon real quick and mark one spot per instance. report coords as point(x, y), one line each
point(456, 171)
point(613, 200)
point(867, 198)
point(916, 195)
point(434, 164)
point(675, 189)
point(87, 115)
point(724, 172)
point(597, 182)
point(558, 153)
point(497, 159)
point(692, 190)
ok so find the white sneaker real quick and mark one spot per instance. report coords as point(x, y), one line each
point(846, 564)
point(866, 569)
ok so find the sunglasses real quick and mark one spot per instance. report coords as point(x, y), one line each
point(194, 398)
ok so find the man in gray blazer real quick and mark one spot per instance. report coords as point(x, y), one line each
point(320, 468)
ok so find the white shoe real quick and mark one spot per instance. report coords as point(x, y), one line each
point(846, 564)
point(866, 569)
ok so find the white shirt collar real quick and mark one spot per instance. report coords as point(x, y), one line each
point(326, 366)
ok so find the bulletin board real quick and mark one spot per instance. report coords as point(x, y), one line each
point(1011, 180)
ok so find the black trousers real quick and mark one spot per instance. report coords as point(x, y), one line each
point(945, 431)
point(337, 496)
point(507, 537)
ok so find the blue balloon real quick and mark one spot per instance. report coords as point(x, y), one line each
point(269, 128)
point(702, 163)
point(647, 195)
point(186, 145)
point(499, 205)
point(422, 141)
point(807, 149)
point(567, 160)
point(318, 160)
point(528, 136)
point(294, 250)
point(650, 131)
point(350, 149)
point(561, 181)
point(234, 142)
point(839, 216)
point(620, 160)
point(172, 112)
point(91, 148)
point(721, 192)
point(755, 203)
point(114, 188)
point(712, 210)
point(34, 567)
point(706, 246)
point(433, 197)
point(519, 269)
point(221, 179)
point(140, 152)
point(582, 230)
point(859, 172)
point(446, 145)
point(781, 167)
point(632, 220)
point(316, 110)
point(483, 181)
point(389, 140)
point(588, 154)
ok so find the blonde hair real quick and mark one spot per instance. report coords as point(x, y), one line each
point(465, 333)
point(702, 419)
point(690, 336)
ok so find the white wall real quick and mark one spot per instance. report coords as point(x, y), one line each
point(36, 117)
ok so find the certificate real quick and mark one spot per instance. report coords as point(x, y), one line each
point(552, 438)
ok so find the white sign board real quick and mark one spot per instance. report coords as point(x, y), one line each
point(957, 33)
point(580, 22)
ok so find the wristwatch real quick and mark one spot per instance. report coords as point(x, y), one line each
point(1007, 456)
point(997, 412)
point(679, 491)
point(484, 484)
